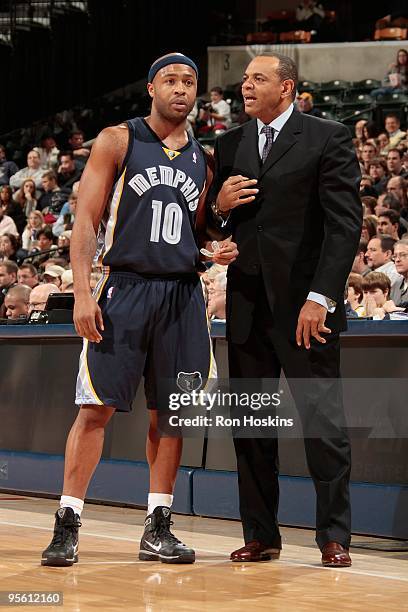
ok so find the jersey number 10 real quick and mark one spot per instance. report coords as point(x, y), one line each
point(172, 222)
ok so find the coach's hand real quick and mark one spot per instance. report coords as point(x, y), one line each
point(88, 317)
point(235, 191)
point(227, 252)
point(311, 322)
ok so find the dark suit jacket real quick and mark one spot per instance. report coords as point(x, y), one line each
point(302, 231)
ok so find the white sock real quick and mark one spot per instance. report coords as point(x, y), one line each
point(76, 504)
point(158, 499)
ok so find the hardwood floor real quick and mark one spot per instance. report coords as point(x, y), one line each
point(110, 577)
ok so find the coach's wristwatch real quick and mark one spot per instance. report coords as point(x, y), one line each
point(218, 214)
point(331, 304)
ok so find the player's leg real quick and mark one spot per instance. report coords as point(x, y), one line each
point(181, 345)
point(163, 455)
point(109, 374)
point(82, 455)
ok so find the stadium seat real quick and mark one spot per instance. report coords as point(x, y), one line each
point(327, 102)
point(329, 115)
point(365, 85)
point(391, 34)
point(261, 38)
point(296, 36)
point(357, 100)
point(309, 86)
point(337, 87)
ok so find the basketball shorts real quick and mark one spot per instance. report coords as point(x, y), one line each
point(154, 327)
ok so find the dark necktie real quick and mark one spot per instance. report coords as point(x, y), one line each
point(269, 132)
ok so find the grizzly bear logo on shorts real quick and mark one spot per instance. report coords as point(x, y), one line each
point(189, 381)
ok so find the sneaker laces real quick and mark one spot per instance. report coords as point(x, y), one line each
point(62, 531)
point(163, 528)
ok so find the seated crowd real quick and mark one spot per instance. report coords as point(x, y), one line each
point(37, 212)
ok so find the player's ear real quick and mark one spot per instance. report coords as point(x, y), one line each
point(150, 89)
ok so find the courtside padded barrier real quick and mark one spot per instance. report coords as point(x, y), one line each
point(377, 509)
point(117, 481)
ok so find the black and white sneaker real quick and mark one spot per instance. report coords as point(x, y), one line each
point(159, 544)
point(63, 550)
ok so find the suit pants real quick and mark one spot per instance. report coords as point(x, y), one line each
point(265, 353)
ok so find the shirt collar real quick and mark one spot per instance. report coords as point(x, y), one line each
point(278, 123)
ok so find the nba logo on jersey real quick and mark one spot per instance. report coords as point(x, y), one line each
point(110, 292)
point(194, 157)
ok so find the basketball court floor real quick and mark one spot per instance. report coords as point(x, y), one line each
point(110, 577)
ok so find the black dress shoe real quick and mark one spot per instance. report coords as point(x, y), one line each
point(255, 551)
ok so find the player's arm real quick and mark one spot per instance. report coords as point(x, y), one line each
point(228, 250)
point(96, 184)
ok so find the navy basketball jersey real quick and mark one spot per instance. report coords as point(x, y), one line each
point(150, 229)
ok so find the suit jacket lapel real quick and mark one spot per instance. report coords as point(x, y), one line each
point(285, 140)
point(247, 155)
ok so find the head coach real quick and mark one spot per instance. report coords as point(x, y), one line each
point(286, 186)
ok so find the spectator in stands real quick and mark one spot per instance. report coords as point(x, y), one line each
point(26, 198)
point(399, 290)
point(395, 134)
point(359, 133)
point(217, 296)
point(30, 234)
point(369, 203)
point(7, 168)
point(305, 105)
point(33, 171)
point(63, 243)
point(68, 173)
point(394, 163)
point(366, 186)
point(309, 15)
point(355, 293)
point(67, 282)
point(217, 113)
point(369, 228)
point(388, 223)
point(377, 288)
point(379, 256)
point(397, 186)
point(53, 274)
point(8, 278)
point(13, 209)
point(48, 152)
point(66, 218)
point(16, 302)
point(7, 225)
point(27, 275)
point(360, 265)
point(388, 200)
point(45, 242)
point(370, 131)
point(76, 145)
point(377, 169)
point(368, 153)
point(383, 141)
point(53, 198)
point(39, 296)
point(396, 79)
point(9, 245)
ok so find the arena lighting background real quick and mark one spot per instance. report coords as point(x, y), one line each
point(86, 54)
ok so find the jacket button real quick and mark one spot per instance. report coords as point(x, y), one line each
point(260, 228)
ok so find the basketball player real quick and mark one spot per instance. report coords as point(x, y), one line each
point(147, 315)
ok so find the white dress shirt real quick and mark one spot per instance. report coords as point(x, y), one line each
point(277, 125)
